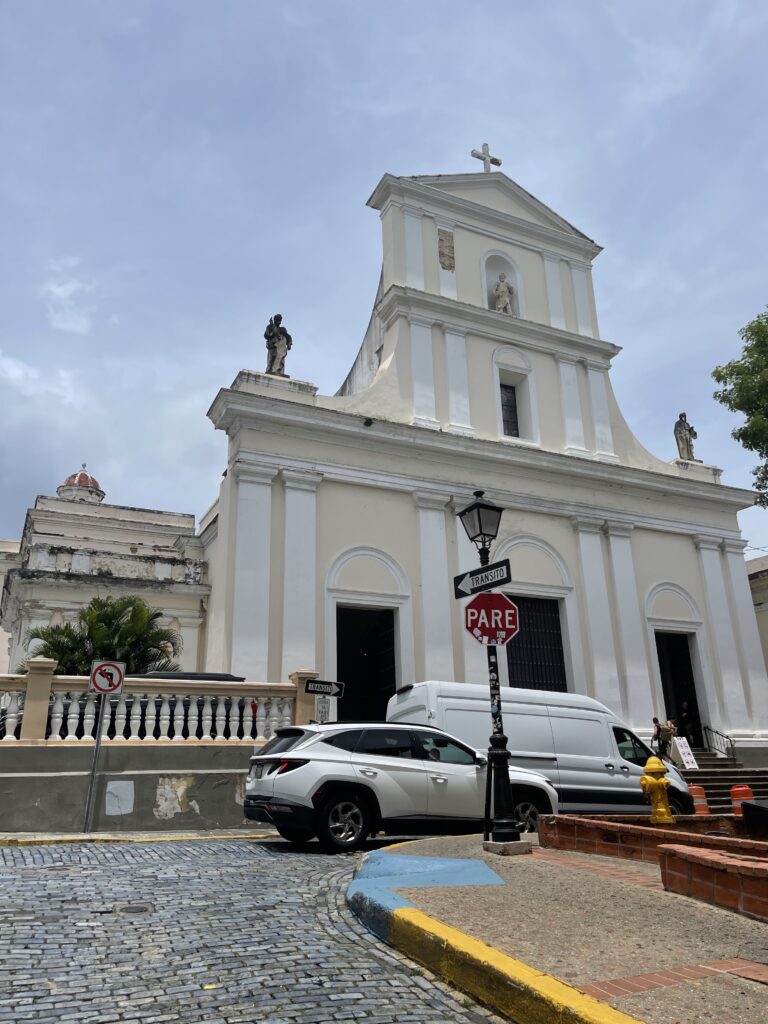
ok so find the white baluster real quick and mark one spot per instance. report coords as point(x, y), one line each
point(234, 718)
point(178, 718)
point(164, 717)
point(11, 716)
point(249, 711)
point(207, 717)
point(195, 719)
point(57, 715)
point(274, 716)
point(89, 716)
point(106, 721)
point(221, 717)
point(261, 718)
point(73, 716)
point(287, 718)
point(150, 718)
point(121, 714)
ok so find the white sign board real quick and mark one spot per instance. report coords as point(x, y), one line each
point(106, 677)
point(322, 709)
point(682, 753)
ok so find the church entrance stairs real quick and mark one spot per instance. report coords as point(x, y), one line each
point(717, 782)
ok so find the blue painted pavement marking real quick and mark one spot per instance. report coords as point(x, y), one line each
point(371, 895)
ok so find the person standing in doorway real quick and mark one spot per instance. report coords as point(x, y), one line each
point(656, 737)
point(685, 722)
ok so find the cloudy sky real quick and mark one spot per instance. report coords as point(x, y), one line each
point(175, 171)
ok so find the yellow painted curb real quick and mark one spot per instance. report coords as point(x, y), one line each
point(502, 983)
point(57, 840)
point(405, 842)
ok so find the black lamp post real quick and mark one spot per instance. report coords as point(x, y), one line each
point(481, 521)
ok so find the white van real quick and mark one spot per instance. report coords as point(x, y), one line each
point(591, 757)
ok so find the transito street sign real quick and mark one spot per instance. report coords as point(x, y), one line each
point(497, 574)
point(325, 689)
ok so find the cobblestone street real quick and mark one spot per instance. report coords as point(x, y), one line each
point(215, 931)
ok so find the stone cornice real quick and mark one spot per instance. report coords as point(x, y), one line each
point(431, 200)
point(487, 323)
point(429, 500)
point(301, 480)
point(472, 456)
point(247, 473)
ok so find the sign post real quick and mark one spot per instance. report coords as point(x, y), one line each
point(106, 679)
point(492, 619)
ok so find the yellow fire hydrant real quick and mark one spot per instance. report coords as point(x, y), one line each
point(655, 785)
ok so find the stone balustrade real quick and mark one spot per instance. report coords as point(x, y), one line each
point(43, 708)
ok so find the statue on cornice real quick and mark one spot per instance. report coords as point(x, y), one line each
point(502, 292)
point(685, 435)
point(278, 344)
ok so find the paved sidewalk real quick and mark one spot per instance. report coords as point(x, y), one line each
point(602, 926)
point(172, 835)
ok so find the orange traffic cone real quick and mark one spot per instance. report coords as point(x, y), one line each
point(738, 794)
point(700, 805)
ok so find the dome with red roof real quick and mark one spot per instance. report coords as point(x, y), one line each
point(81, 486)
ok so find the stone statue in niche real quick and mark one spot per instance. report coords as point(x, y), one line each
point(502, 293)
point(278, 344)
point(685, 435)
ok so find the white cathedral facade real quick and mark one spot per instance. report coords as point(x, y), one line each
point(334, 539)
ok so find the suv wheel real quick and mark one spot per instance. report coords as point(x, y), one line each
point(527, 810)
point(296, 835)
point(343, 822)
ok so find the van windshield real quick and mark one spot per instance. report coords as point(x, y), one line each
point(630, 747)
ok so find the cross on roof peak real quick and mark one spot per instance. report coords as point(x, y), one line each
point(484, 154)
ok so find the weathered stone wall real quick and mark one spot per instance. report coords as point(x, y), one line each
point(157, 788)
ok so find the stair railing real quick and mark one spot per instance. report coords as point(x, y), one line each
point(718, 742)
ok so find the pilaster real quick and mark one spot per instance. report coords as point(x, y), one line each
point(436, 594)
point(733, 709)
point(423, 373)
point(633, 655)
point(251, 560)
point(580, 279)
point(459, 418)
point(601, 415)
point(414, 248)
point(300, 561)
point(554, 289)
point(745, 624)
point(573, 414)
point(597, 609)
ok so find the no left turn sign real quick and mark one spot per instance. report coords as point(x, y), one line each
point(107, 677)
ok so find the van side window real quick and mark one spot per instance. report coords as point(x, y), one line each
point(630, 747)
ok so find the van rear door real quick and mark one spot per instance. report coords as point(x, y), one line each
point(593, 778)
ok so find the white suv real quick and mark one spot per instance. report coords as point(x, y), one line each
point(345, 781)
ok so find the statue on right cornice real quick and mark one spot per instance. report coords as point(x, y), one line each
point(502, 293)
point(685, 435)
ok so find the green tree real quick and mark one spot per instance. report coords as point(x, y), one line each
point(120, 629)
point(745, 389)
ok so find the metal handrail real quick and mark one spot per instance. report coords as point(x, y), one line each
point(718, 742)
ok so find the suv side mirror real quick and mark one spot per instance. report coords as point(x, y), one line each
point(480, 760)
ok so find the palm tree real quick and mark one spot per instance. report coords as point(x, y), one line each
point(120, 629)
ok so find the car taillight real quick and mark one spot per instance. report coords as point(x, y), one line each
point(289, 766)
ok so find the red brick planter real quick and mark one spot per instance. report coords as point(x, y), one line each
point(634, 838)
point(731, 881)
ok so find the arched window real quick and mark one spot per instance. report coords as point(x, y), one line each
point(494, 264)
